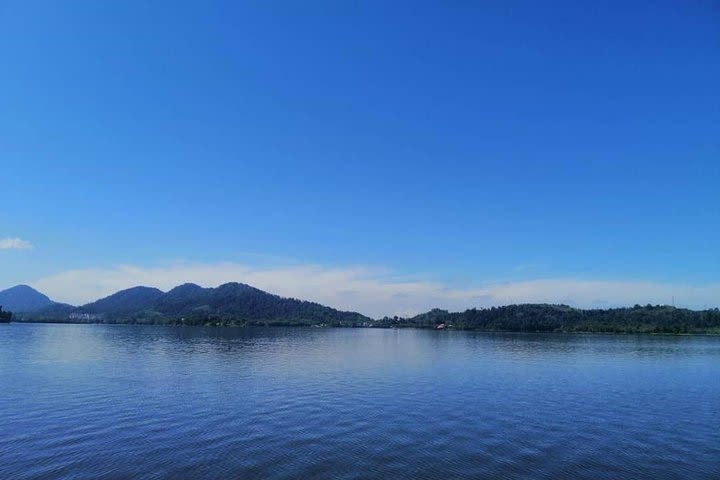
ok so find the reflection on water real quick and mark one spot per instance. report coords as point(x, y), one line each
point(156, 402)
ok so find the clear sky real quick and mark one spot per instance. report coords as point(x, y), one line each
point(380, 156)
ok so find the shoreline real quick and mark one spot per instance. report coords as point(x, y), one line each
point(578, 332)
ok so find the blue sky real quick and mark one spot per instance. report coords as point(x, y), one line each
point(464, 147)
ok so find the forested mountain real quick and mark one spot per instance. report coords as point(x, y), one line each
point(22, 298)
point(238, 304)
point(189, 304)
point(562, 318)
point(125, 301)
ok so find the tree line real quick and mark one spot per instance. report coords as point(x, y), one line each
point(563, 318)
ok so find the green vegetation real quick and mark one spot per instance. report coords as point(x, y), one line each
point(5, 317)
point(237, 304)
point(232, 304)
point(562, 318)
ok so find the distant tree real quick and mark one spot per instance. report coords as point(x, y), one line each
point(5, 316)
point(562, 318)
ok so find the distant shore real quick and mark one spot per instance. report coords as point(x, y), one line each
point(240, 305)
point(376, 327)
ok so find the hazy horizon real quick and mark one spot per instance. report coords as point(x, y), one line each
point(377, 297)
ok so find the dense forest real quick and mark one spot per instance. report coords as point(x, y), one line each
point(237, 304)
point(562, 318)
point(231, 304)
point(5, 317)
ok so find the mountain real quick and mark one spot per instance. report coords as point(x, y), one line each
point(237, 304)
point(22, 298)
point(189, 304)
point(182, 298)
point(125, 301)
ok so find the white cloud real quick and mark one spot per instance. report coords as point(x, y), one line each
point(14, 244)
point(372, 291)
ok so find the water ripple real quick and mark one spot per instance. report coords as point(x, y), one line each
point(150, 402)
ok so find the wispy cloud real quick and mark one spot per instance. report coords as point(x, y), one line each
point(373, 291)
point(14, 244)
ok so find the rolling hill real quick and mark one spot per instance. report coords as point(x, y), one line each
point(189, 304)
point(22, 298)
point(238, 304)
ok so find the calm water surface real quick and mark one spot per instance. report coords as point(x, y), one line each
point(155, 402)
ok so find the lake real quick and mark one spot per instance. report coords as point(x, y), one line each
point(92, 401)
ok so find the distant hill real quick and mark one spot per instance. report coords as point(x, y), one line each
point(23, 298)
point(125, 301)
point(562, 318)
point(237, 304)
point(189, 304)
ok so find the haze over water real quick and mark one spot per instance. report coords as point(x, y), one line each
point(156, 402)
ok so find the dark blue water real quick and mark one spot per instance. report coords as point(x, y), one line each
point(155, 402)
